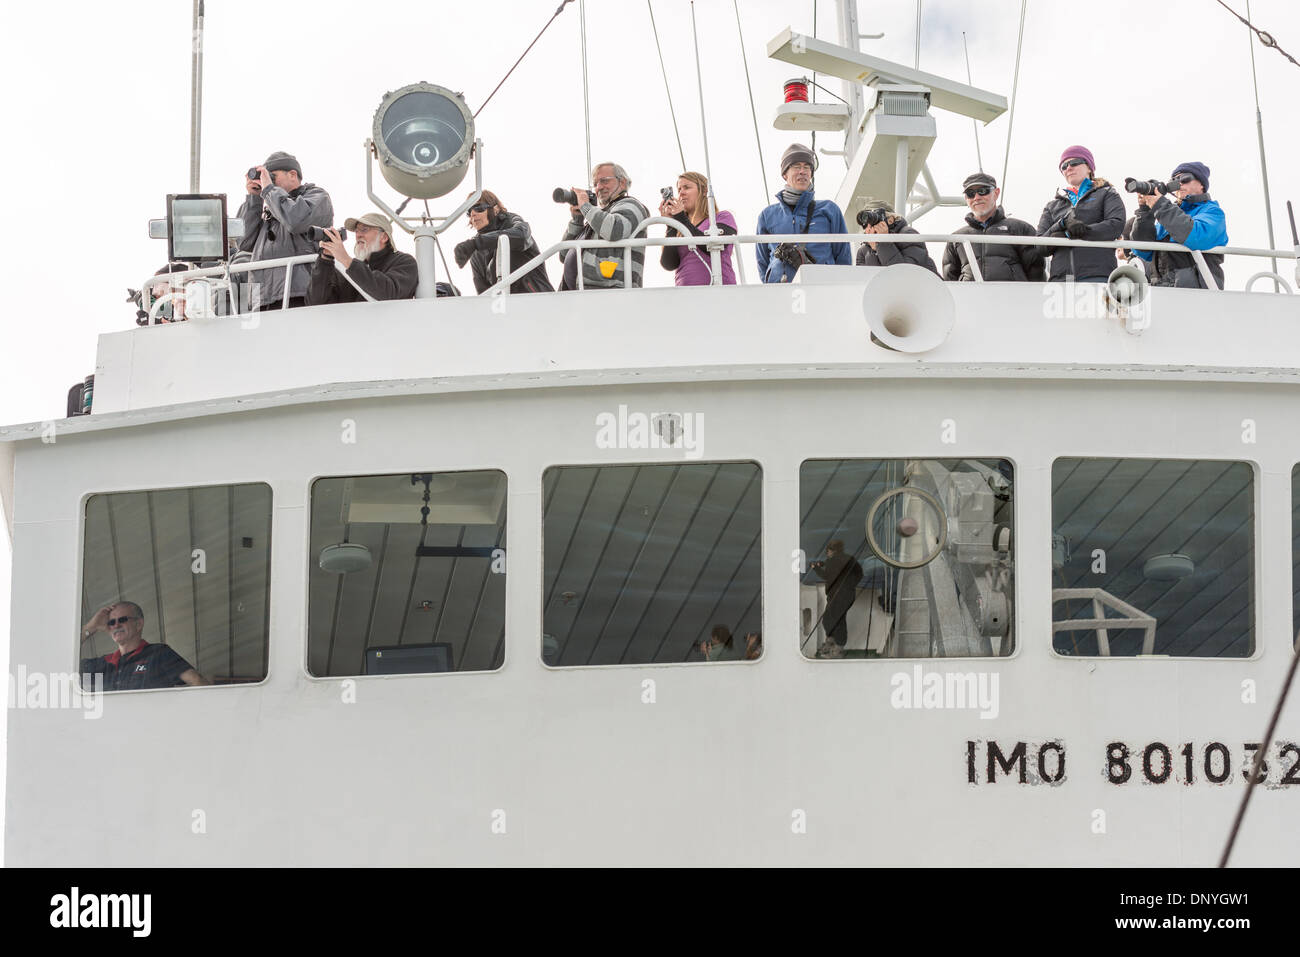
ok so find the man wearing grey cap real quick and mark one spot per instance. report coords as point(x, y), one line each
point(278, 213)
point(997, 262)
point(374, 267)
point(796, 210)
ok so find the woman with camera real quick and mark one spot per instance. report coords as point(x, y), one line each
point(1085, 208)
point(693, 265)
point(492, 220)
point(877, 218)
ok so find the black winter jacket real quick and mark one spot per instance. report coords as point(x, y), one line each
point(481, 253)
point(890, 254)
point(1102, 211)
point(387, 274)
point(997, 262)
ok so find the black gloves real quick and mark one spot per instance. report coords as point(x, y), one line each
point(463, 251)
point(1074, 228)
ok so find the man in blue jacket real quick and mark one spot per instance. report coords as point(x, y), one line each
point(798, 211)
point(1193, 220)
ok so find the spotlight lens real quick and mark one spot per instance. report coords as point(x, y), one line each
point(423, 129)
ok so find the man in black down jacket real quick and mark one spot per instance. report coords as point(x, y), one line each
point(997, 262)
point(493, 221)
point(890, 254)
point(1086, 208)
point(375, 266)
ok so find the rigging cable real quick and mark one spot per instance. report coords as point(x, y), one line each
point(664, 70)
point(558, 11)
point(812, 97)
point(1015, 86)
point(586, 99)
point(753, 112)
point(1265, 39)
point(1259, 754)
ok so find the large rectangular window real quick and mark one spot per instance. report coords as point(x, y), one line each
point(906, 558)
point(176, 587)
point(408, 574)
point(1153, 557)
point(648, 564)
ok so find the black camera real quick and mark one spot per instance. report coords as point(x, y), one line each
point(317, 234)
point(871, 217)
point(791, 254)
point(666, 192)
point(562, 195)
point(1150, 187)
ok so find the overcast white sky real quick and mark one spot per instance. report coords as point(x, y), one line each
point(97, 115)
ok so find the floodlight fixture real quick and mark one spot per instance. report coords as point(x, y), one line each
point(197, 227)
point(423, 136)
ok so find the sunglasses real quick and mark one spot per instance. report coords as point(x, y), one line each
point(974, 191)
point(479, 208)
point(1072, 162)
point(1184, 178)
point(124, 619)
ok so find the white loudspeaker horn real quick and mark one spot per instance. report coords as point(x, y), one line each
point(1127, 285)
point(908, 308)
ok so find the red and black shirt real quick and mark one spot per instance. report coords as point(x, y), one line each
point(148, 666)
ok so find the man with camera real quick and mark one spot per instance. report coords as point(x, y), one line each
point(375, 267)
point(617, 217)
point(997, 262)
point(278, 214)
point(1192, 220)
point(797, 210)
point(879, 217)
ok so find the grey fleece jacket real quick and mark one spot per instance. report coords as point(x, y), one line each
point(282, 232)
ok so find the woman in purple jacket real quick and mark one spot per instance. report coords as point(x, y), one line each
point(693, 265)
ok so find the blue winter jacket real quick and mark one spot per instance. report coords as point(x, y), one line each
point(1209, 227)
point(1197, 223)
point(780, 218)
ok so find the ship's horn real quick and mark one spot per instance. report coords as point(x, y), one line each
point(908, 308)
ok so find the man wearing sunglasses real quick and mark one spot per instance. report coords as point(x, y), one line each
point(616, 217)
point(374, 266)
point(997, 262)
point(136, 664)
point(1192, 219)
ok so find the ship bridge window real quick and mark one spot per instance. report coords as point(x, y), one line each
point(175, 587)
point(651, 564)
point(1153, 557)
point(906, 558)
point(408, 574)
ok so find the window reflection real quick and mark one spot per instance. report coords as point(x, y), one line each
point(906, 558)
point(1153, 557)
point(408, 574)
point(175, 587)
point(652, 564)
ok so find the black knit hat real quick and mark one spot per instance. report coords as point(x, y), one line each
point(979, 179)
point(281, 160)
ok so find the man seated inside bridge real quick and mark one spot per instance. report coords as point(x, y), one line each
point(375, 265)
point(136, 664)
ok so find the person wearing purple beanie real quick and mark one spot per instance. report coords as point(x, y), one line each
point(1086, 208)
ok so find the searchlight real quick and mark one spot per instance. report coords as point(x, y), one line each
point(423, 136)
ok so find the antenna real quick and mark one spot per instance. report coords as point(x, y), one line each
point(1015, 87)
point(973, 122)
point(196, 93)
point(586, 103)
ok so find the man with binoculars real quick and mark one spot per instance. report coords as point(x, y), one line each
point(1192, 220)
point(278, 215)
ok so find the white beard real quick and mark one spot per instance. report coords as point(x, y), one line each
point(362, 252)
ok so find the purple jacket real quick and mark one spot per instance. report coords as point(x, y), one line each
point(696, 270)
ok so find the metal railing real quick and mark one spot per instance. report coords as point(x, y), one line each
point(967, 240)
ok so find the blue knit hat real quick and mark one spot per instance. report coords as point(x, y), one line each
point(1199, 170)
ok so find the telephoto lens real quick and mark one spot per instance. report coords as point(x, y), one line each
point(1144, 187)
point(317, 234)
point(562, 195)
